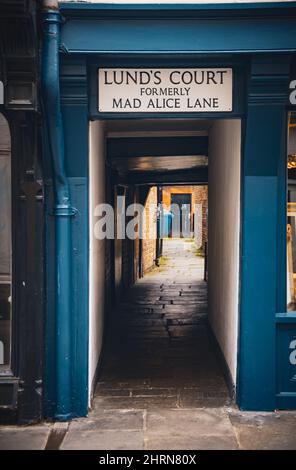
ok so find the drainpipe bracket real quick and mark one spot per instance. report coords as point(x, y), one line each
point(61, 210)
point(52, 16)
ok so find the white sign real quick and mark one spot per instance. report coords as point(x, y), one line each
point(165, 90)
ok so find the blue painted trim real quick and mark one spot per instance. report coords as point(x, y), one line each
point(281, 305)
point(287, 317)
point(286, 401)
point(179, 28)
point(65, 6)
point(178, 35)
point(286, 371)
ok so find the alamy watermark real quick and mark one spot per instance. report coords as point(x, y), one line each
point(149, 221)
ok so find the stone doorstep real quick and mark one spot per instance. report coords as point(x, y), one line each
point(140, 403)
point(136, 392)
point(188, 394)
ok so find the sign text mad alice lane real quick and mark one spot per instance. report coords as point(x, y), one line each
point(165, 90)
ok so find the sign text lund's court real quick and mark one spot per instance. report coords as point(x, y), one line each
point(165, 90)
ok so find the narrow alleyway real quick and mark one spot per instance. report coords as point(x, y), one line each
point(160, 381)
point(159, 350)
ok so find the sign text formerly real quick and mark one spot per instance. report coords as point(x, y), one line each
point(165, 90)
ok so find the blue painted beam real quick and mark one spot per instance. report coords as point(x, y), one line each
point(170, 8)
point(202, 36)
point(286, 318)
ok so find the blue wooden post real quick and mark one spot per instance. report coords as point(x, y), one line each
point(264, 154)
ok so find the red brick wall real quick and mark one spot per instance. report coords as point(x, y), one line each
point(131, 248)
point(168, 190)
point(200, 197)
point(149, 241)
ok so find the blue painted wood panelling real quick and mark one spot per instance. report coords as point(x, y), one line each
point(202, 36)
point(80, 262)
point(76, 139)
point(264, 155)
point(286, 365)
point(205, 9)
point(258, 291)
point(74, 97)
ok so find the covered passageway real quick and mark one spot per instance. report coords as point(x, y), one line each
point(164, 307)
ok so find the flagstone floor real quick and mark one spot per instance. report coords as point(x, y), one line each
point(160, 352)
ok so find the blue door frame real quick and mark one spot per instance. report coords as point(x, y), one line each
point(259, 44)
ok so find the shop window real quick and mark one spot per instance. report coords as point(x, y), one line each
point(5, 245)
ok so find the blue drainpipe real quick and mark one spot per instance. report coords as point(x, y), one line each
point(63, 211)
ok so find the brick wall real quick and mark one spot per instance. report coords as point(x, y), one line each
point(149, 241)
point(131, 248)
point(167, 191)
point(200, 198)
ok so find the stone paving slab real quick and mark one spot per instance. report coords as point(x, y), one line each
point(187, 421)
point(109, 420)
point(192, 442)
point(164, 429)
point(265, 431)
point(24, 438)
point(102, 440)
